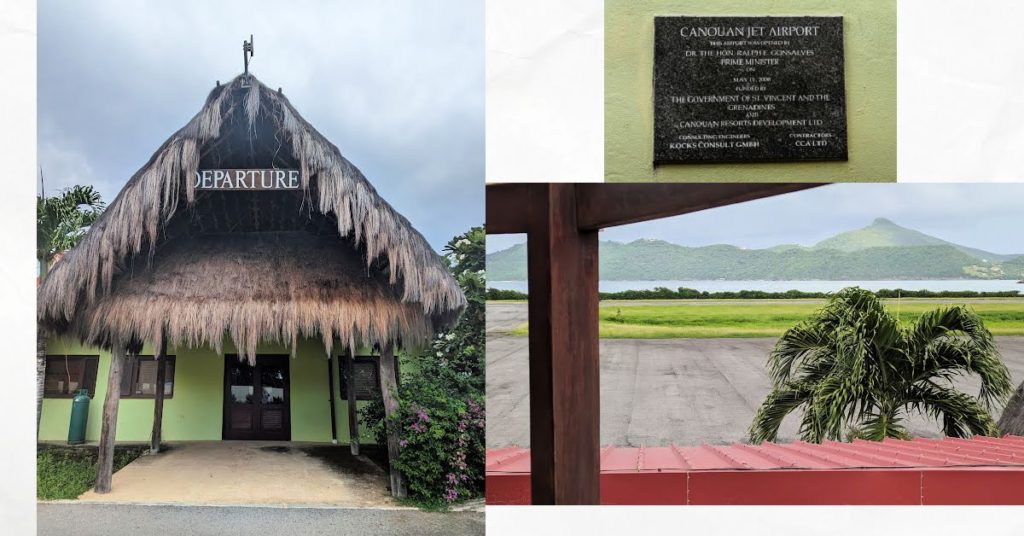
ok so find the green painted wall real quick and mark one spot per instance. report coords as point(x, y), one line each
point(870, 41)
point(195, 412)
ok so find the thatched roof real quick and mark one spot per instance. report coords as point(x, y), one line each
point(331, 260)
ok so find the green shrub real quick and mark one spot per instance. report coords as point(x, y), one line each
point(502, 294)
point(66, 473)
point(441, 395)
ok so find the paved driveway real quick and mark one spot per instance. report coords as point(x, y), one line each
point(656, 392)
point(83, 519)
point(250, 473)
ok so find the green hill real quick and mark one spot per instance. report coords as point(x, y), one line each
point(510, 264)
point(1014, 268)
point(885, 233)
point(882, 250)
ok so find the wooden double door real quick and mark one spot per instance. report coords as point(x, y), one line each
point(256, 398)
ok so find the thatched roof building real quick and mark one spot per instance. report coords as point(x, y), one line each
point(170, 262)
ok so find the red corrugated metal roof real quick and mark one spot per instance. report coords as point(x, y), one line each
point(916, 453)
point(980, 470)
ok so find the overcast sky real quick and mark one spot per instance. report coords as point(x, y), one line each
point(985, 216)
point(397, 86)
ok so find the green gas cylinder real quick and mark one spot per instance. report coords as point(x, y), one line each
point(79, 417)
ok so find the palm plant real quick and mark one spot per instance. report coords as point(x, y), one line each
point(855, 371)
point(61, 221)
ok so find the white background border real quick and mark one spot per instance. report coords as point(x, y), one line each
point(18, 267)
point(960, 109)
point(755, 520)
point(545, 90)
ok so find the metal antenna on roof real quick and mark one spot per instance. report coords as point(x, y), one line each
point(247, 53)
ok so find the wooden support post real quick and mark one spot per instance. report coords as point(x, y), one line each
point(330, 399)
point(564, 363)
point(389, 391)
point(350, 389)
point(105, 459)
point(158, 398)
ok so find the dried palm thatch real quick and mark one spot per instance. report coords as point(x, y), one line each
point(333, 260)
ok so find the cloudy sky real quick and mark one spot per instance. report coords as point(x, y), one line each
point(396, 85)
point(985, 216)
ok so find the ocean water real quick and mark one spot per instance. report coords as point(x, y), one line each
point(979, 285)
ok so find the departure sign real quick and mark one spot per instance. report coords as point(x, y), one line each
point(247, 179)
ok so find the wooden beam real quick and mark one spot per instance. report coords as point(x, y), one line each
point(158, 398)
point(604, 205)
point(564, 364)
point(607, 205)
point(350, 387)
point(506, 207)
point(108, 430)
point(389, 391)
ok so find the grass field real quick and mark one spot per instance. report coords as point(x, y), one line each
point(760, 318)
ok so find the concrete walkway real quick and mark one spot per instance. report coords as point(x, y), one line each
point(250, 473)
point(657, 392)
point(84, 519)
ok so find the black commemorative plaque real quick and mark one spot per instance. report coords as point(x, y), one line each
point(748, 89)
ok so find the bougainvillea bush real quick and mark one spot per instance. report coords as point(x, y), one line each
point(441, 395)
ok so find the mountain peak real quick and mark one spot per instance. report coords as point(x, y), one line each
point(883, 232)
